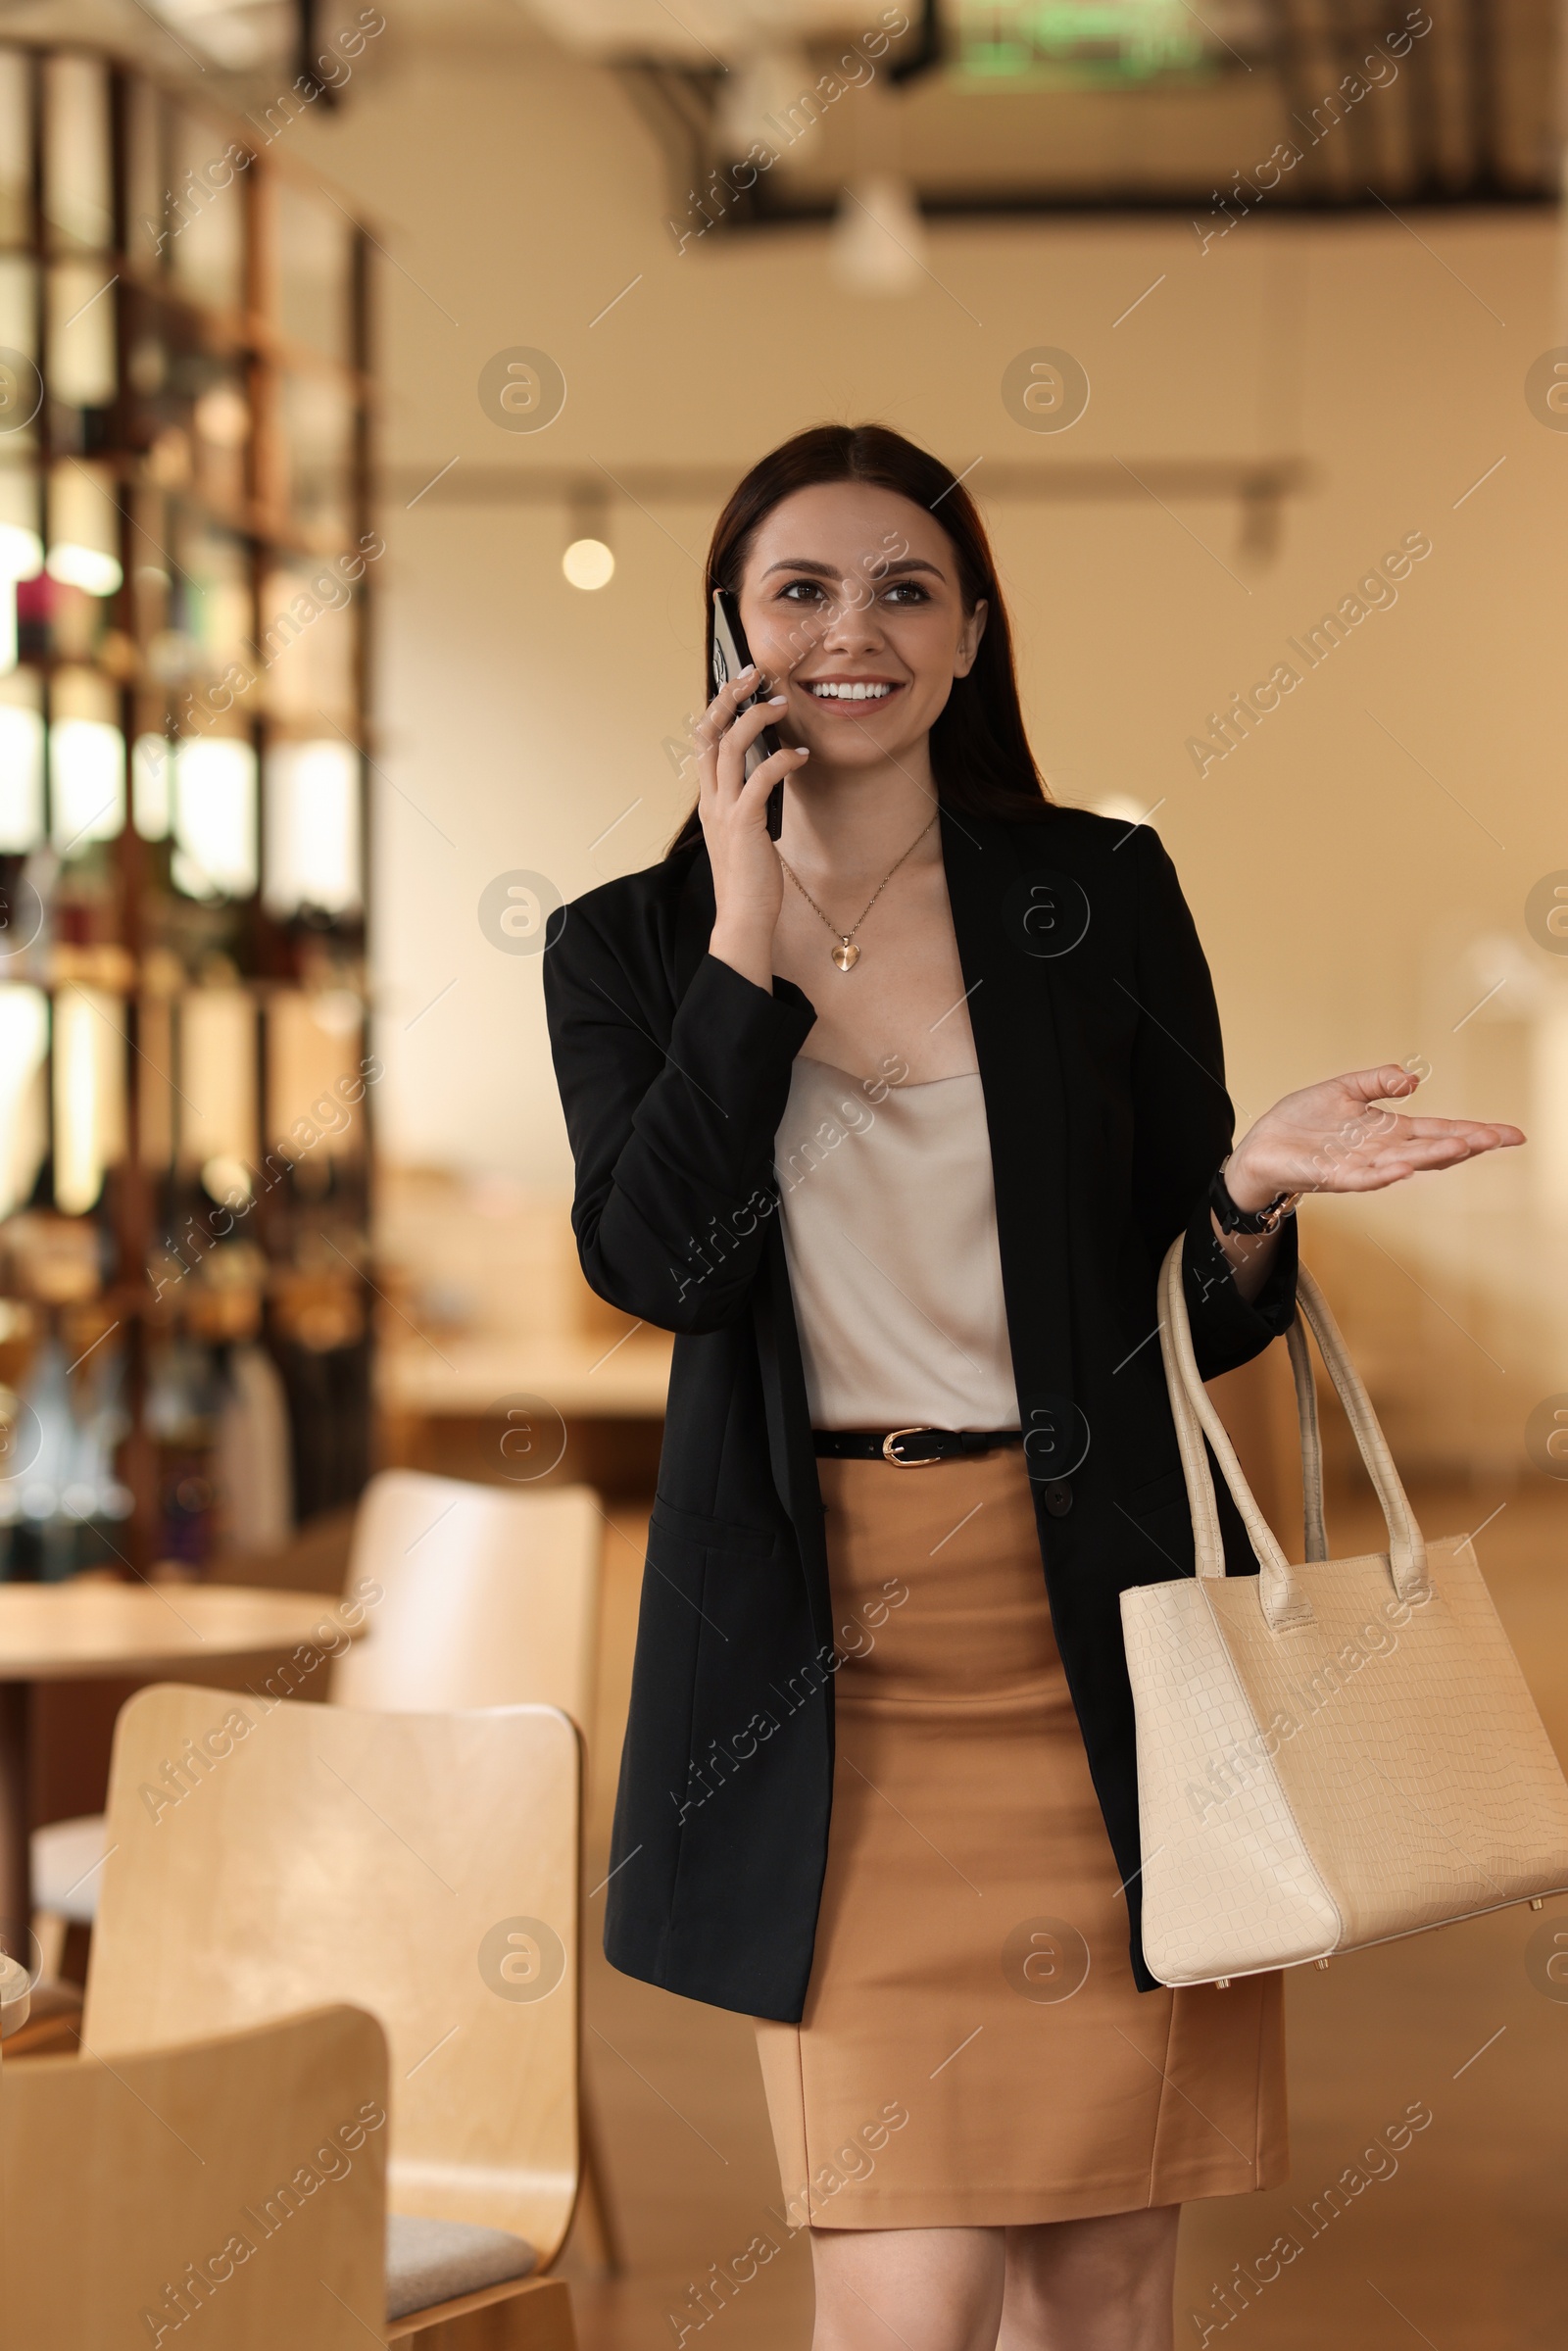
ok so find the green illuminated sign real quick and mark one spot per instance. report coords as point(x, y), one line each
point(1070, 43)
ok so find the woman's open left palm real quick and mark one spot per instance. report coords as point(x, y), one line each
point(1341, 1136)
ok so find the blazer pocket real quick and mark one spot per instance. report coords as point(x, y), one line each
point(1156, 1492)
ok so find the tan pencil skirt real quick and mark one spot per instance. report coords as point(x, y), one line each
point(973, 2049)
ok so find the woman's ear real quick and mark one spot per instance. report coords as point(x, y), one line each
point(974, 628)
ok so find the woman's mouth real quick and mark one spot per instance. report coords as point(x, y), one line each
point(858, 691)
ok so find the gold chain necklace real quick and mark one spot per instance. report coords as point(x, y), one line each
point(846, 955)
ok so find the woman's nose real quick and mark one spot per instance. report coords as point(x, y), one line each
point(854, 623)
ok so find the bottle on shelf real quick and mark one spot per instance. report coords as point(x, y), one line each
point(184, 1405)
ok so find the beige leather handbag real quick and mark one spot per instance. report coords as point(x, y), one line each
point(1328, 1755)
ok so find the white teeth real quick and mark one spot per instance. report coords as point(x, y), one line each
point(826, 691)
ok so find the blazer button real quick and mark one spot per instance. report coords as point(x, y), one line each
point(1058, 1497)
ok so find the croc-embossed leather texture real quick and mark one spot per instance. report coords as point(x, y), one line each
point(1333, 1754)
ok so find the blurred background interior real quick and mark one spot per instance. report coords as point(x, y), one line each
point(369, 378)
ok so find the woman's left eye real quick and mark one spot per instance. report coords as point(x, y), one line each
point(815, 591)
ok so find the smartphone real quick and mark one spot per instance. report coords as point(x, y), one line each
point(730, 655)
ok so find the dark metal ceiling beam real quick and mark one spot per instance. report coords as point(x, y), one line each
point(1342, 146)
point(1070, 480)
point(924, 53)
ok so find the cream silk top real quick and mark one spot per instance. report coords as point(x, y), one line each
point(890, 1231)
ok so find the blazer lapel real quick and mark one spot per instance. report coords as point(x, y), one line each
point(792, 1456)
point(790, 1452)
point(999, 882)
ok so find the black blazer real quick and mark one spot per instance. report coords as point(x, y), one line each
point(1100, 1058)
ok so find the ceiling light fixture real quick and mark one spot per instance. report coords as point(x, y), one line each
point(588, 563)
point(768, 100)
point(878, 240)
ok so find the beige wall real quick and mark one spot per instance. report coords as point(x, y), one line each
point(1352, 908)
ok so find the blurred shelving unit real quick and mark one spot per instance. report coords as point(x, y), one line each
point(185, 1078)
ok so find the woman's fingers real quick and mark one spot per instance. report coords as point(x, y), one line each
point(1489, 1135)
point(771, 771)
point(1331, 1137)
point(1494, 1130)
point(1425, 1128)
point(722, 765)
point(722, 710)
point(737, 741)
point(708, 733)
point(1362, 1134)
point(1468, 1137)
point(1387, 1082)
point(1435, 1150)
point(1389, 1161)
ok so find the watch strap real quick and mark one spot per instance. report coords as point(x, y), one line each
point(1232, 1219)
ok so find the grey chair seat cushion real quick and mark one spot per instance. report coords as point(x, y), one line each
point(67, 1862)
point(435, 2261)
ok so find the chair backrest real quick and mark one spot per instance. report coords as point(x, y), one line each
point(16, 1997)
point(263, 1858)
point(238, 2181)
point(490, 1597)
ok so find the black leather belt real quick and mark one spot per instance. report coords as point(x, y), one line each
point(909, 1448)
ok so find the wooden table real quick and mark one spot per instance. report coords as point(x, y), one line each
point(592, 1406)
point(587, 1379)
point(92, 1628)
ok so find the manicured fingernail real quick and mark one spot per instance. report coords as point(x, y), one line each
point(776, 702)
point(745, 672)
point(803, 751)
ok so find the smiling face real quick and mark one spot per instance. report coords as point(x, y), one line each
point(852, 605)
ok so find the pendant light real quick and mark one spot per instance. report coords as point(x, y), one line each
point(589, 560)
point(878, 242)
point(588, 563)
point(768, 100)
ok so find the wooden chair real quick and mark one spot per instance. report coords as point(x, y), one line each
point(238, 2181)
point(489, 1597)
point(261, 1860)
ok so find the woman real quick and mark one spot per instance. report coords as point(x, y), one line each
point(892, 1123)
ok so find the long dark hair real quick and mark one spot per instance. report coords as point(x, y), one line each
point(980, 753)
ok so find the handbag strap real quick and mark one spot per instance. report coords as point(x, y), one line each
point(1283, 1599)
point(1311, 1441)
point(1407, 1550)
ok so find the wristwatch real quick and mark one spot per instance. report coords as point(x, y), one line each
point(1232, 1219)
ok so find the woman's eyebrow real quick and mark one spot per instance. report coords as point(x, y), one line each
point(883, 569)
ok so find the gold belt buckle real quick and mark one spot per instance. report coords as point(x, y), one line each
point(891, 1440)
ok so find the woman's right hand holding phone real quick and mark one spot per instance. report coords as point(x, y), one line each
point(748, 879)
